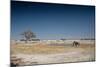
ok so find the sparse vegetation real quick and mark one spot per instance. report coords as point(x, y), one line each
point(28, 35)
point(51, 54)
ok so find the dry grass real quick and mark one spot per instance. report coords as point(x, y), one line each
point(47, 49)
point(43, 54)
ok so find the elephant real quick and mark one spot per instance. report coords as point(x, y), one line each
point(76, 44)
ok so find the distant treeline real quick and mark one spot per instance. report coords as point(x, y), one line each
point(79, 39)
point(88, 39)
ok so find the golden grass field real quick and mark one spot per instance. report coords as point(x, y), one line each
point(45, 49)
point(52, 54)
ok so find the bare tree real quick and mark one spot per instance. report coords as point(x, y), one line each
point(28, 35)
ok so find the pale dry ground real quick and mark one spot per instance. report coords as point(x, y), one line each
point(41, 53)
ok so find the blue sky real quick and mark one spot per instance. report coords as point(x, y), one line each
point(52, 21)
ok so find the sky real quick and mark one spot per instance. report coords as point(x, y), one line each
point(52, 21)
